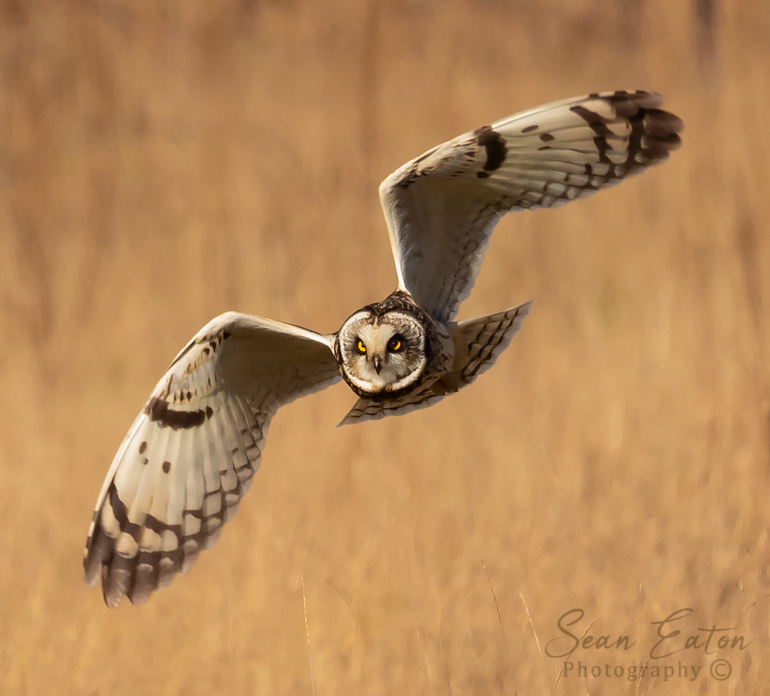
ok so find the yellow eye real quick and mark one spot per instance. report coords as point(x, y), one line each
point(395, 345)
point(361, 347)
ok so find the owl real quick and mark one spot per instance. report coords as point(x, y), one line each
point(191, 453)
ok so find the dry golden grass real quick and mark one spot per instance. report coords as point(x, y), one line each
point(164, 162)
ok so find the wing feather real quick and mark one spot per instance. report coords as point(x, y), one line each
point(441, 207)
point(189, 457)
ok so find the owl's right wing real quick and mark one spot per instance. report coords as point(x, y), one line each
point(442, 206)
point(189, 457)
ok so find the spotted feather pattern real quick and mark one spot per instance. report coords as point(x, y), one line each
point(441, 207)
point(190, 455)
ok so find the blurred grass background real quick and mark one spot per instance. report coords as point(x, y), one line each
point(162, 162)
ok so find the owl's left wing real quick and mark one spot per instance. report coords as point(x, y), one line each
point(189, 457)
point(441, 207)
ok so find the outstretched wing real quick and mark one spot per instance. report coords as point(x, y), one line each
point(189, 457)
point(441, 207)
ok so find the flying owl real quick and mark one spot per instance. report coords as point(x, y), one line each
point(191, 453)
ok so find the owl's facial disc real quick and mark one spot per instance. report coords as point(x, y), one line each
point(382, 355)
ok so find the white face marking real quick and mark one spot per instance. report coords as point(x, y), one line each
point(385, 355)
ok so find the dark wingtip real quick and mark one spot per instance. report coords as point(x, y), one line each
point(116, 580)
point(656, 131)
point(659, 148)
point(661, 134)
point(628, 104)
point(659, 123)
point(99, 549)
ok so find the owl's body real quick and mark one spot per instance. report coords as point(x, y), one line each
point(190, 455)
point(433, 358)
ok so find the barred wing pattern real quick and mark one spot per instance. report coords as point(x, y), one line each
point(189, 457)
point(442, 206)
point(366, 409)
point(486, 338)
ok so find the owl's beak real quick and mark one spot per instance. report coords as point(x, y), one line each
point(377, 364)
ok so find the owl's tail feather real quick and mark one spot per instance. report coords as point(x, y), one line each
point(478, 343)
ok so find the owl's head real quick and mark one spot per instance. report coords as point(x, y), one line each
point(381, 353)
